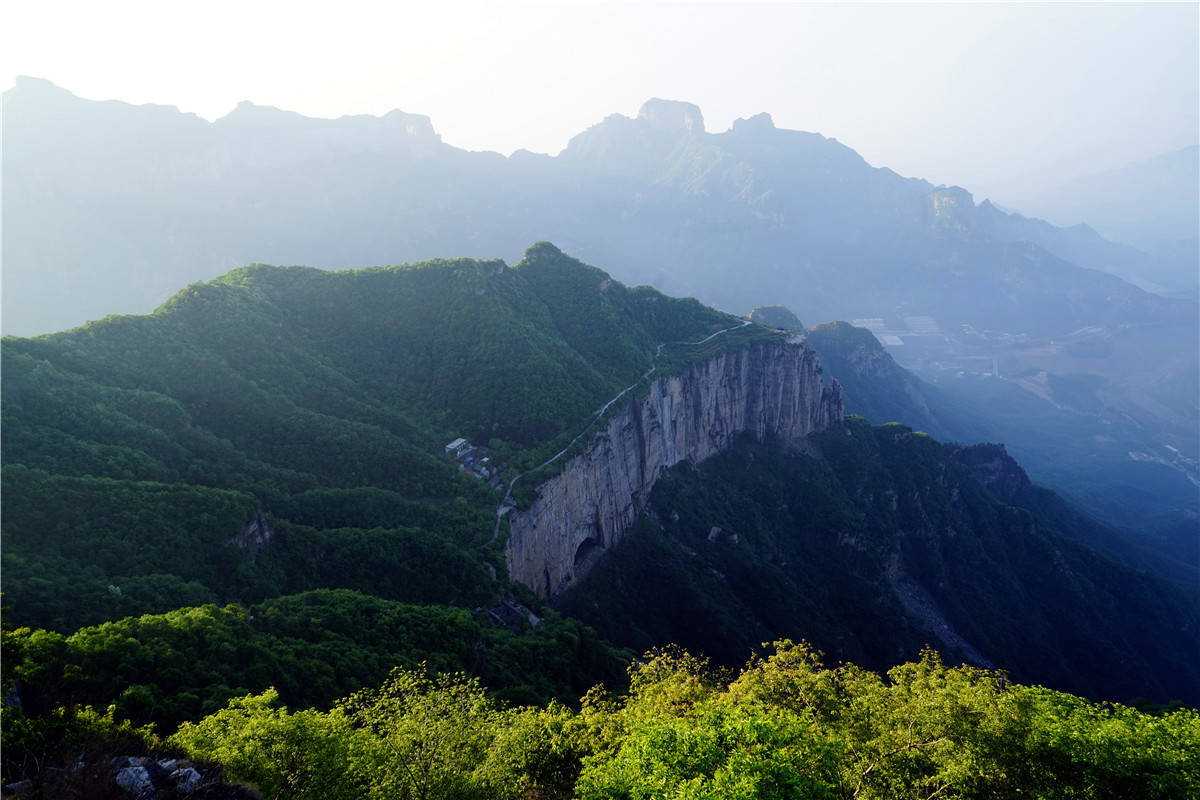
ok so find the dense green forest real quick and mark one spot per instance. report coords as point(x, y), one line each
point(233, 519)
point(139, 452)
point(313, 648)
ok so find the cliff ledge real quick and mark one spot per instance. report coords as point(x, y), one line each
point(770, 388)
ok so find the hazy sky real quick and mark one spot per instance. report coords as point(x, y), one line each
point(1003, 99)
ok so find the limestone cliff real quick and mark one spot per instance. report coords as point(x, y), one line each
point(767, 388)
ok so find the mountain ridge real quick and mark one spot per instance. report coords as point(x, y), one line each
point(324, 399)
point(734, 167)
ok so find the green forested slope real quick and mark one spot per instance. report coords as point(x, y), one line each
point(138, 450)
point(1147, 509)
point(877, 541)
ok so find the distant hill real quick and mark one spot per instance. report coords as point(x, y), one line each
point(1058, 437)
point(1152, 204)
point(776, 317)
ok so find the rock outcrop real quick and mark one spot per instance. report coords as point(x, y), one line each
point(256, 534)
point(672, 115)
point(766, 389)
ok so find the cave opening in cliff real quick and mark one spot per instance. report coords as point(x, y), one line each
point(586, 555)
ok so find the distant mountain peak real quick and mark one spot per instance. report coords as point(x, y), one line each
point(953, 207)
point(250, 114)
point(542, 249)
point(40, 84)
point(248, 107)
point(414, 124)
point(672, 115)
point(28, 89)
point(957, 194)
point(777, 317)
point(754, 124)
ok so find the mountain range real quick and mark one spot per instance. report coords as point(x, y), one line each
point(346, 530)
point(1091, 381)
point(110, 207)
point(1152, 204)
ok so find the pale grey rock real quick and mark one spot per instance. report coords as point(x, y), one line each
point(135, 780)
point(766, 389)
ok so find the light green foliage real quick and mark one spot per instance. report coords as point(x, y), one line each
point(302, 754)
point(785, 727)
point(416, 737)
point(1113, 751)
point(424, 735)
point(788, 727)
point(537, 752)
point(682, 735)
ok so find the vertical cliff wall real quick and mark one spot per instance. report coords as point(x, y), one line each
point(766, 388)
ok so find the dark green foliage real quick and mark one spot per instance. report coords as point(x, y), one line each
point(79, 550)
point(280, 431)
point(781, 563)
point(313, 647)
point(140, 451)
point(67, 751)
point(82, 550)
point(876, 387)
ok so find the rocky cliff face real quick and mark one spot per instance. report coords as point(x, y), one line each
point(768, 388)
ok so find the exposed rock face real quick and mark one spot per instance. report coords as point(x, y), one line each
point(953, 207)
point(759, 123)
point(765, 389)
point(672, 115)
point(256, 533)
